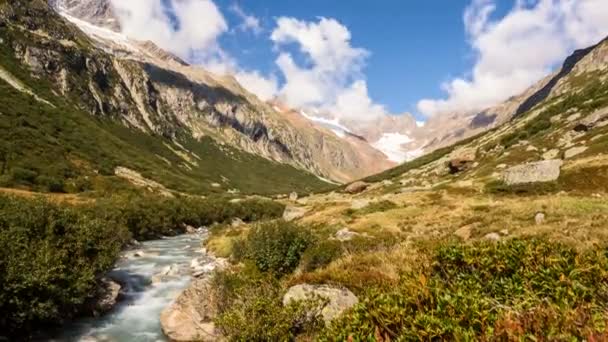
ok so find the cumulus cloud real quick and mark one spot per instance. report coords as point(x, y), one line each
point(263, 87)
point(331, 78)
point(249, 23)
point(518, 49)
point(188, 28)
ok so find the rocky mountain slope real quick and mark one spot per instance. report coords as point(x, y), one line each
point(188, 97)
point(72, 111)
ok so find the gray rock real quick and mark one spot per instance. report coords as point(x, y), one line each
point(105, 298)
point(542, 171)
point(293, 213)
point(190, 317)
point(338, 300)
point(345, 234)
point(492, 237)
point(531, 148)
point(575, 151)
point(592, 120)
point(237, 222)
point(501, 166)
point(464, 233)
point(539, 218)
point(356, 187)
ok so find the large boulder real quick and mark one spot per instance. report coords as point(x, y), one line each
point(190, 317)
point(293, 213)
point(356, 187)
point(337, 300)
point(575, 151)
point(541, 171)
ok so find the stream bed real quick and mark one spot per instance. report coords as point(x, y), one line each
point(152, 276)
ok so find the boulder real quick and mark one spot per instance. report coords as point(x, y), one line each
point(575, 151)
point(293, 213)
point(190, 229)
point(542, 171)
point(190, 317)
point(337, 300)
point(356, 187)
point(237, 222)
point(105, 298)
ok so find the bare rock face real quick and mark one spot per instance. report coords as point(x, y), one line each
point(542, 171)
point(598, 118)
point(459, 165)
point(356, 187)
point(575, 151)
point(190, 317)
point(338, 300)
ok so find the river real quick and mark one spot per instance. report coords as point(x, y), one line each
point(136, 318)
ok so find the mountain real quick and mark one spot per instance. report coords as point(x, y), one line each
point(74, 113)
point(235, 117)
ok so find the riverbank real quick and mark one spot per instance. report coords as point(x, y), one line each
point(52, 256)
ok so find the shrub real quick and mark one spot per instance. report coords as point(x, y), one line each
point(251, 308)
point(275, 247)
point(49, 260)
point(500, 187)
point(321, 254)
point(23, 176)
point(50, 184)
point(519, 289)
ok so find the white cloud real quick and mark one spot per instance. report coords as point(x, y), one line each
point(249, 22)
point(518, 49)
point(265, 88)
point(199, 24)
point(332, 77)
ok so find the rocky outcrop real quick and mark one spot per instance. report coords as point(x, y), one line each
point(598, 118)
point(337, 300)
point(190, 317)
point(542, 171)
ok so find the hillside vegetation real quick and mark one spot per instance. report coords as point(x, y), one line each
point(500, 237)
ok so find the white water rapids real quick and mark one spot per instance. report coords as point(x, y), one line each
point(136, 318)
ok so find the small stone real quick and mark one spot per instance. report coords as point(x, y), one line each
point(237, 222)
point(359, 204)
point(216, 185)
point(504, 232)
point(539, 218)
point(492, 237)
point(501, 166)
point(345, 234)
point(531, 148)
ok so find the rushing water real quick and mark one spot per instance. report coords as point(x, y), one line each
point(137, 316)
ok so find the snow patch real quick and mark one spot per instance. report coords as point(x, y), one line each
point(420, 124)
point(391, 144)
point(332, 124)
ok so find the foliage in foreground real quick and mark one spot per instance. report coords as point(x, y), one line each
point(251, 308)
point(507, 291)
point(275, 247)
point(51, 255)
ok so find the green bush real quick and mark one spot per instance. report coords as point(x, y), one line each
point(23, 176)
point(50, 184)
point(49, 260)
point(251, 309)
point(517, 290)
point(275, 247)
point(321, 254)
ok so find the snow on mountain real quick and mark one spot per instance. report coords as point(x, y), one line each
point(392, 145)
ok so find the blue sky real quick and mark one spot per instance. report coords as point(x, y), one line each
point(414, 45)
point(368, 58)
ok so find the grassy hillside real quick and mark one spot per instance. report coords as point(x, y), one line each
point(59, 147)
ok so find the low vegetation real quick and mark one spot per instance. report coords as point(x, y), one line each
point(52, 254)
